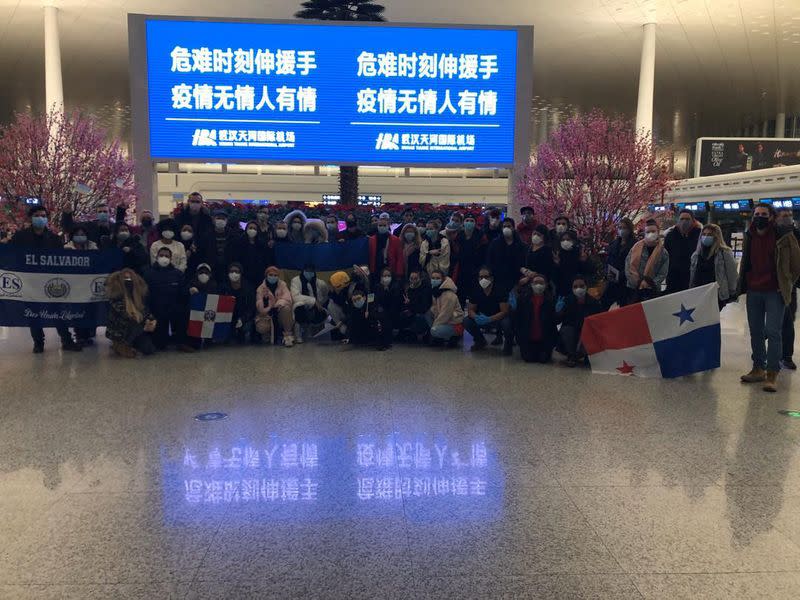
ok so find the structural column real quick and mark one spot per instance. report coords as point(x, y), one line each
point(780, 124)
point(53, 85)
point(647, 72)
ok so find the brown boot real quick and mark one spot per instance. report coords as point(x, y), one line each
point(771, 384)
point(755, 376)
point(123, 350)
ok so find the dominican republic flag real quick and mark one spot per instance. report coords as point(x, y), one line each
point(671, 336)
point(210, 316)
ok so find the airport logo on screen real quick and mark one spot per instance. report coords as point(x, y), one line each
point(331, 93)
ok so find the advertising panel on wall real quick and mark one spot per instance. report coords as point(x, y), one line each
point(720, 156)
point(330, 93)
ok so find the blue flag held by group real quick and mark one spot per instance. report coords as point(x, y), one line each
point(54, 287)
point(325, 257)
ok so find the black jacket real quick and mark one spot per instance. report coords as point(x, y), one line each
point(96, 231)
point(202, 224)
point(255, 258)
point(167, 290)
point(569, 265)
point(419, 299)
point(135, 257)
point(618, 251)
point(524, 313)
point(388, 301)
point(575, 312)
point(245, 308)
point(44, 241)
point(540, 261)
point(680, 249)
point(505, 261)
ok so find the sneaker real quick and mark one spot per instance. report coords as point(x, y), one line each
point(38, 347)
point(788, 363)
point(288, 341)
point(71, 346)
point(771, 383)
point(498, 340)
point(755, 376)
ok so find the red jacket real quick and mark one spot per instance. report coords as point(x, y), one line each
point(394, 255)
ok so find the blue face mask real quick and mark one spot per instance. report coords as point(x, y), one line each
point(436, 282)
point(469, 225)
point(272, 279)
point(707, 240)
point(359, 303)
point(102, 217)
point(432, 233)
point(39, 222)
point(79, 239)
point(383, 229)
point(309, 274)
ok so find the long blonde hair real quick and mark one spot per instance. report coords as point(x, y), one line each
point(134, 300)
point(719, 241)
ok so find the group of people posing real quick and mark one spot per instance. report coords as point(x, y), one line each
point(523, 283)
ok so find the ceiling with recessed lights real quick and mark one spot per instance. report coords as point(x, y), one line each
point(720, 66)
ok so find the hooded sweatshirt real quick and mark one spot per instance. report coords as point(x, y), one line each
point(446, 307)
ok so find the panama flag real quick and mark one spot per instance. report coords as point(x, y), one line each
point(670, 336)
point(210, 316)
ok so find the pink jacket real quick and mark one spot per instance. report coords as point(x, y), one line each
point(281, 298)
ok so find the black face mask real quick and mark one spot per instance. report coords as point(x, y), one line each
point(129, 285)
point(147, 222)
point(761, 222)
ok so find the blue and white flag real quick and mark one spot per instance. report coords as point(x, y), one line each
point(670, 336)
point(54, 287)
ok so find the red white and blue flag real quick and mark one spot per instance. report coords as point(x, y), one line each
point(670, 336)
point(210, 316)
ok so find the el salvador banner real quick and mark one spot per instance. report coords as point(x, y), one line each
point(54, 287)
point(670, 336)
point(325, 257)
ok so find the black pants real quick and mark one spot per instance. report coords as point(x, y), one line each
point(788, 327)
point(537, 352)
point(84, 333)
point(174, 321)
point(309, 315)
point(476, 331)
point(37, 333)
point(569, 341)
point(614, 292)
point(143, 344)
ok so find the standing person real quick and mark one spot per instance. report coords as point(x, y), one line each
point(457, 219)
point(680, 243)
point(539, 256)
point(79, 240)
point(168, 300)
point(388, 300)
point(769, 270)
point(265, 232)
point(134, 255)
point(411, 242)
point(487, 309)
point(535, 322)
point(352, 231)
point(472, 256)
point(406, 218)
point(195, 255)
point(453, 232)
point(385, 250)
point(177, 252)
point(244, 311)
point(274, 299)
point(434, 252)
point(148, 231)
point(97, 230)
point(415, 303)
point(505, 256)
point(224, 244)
point(446, 316)
point(646, 265)
point(315, 232)
point(309, 299)
point(296, 220)
point(571, 314)
point(332, 226)
point(785, 220)
point(569, 259)
point(252, 254)
point(527, 225)
point(281, 233)
point(492, 226)
point(194, 213)
point(130, 324)
point(38, 237)
point(616, 276)
point(713, 262)
point(561, 225)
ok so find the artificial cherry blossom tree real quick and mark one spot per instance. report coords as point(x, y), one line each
point(596, 170)
point(64, 160)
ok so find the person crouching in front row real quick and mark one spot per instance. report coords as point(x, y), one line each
point(273, 299)
point(446, 317)
point(571, 313)
point(535, 320)
point(244, 311)
point(130, 324)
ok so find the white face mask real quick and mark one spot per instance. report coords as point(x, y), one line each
point(280, 233)
point(536, 239)
point(163, 261)
point(485, 282)
point(186, 235)
point(561, 228)
point(493, 221)
point(168, 235)
point(251, 233)
point(566, 245)
point(203, 278)
point(297, 226)
point(579, 292)
point(651, 237)
point(508, 232)
point(386, 280)
point(538, 288)
point(233, 276)
point(219, 224)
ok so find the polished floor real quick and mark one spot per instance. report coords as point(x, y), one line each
point(414, 473)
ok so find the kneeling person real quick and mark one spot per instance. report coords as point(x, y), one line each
point(488, 309)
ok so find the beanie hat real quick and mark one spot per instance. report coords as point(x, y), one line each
point(203, 266)
point(165, 224)
point(272, 271)
point(339, 280)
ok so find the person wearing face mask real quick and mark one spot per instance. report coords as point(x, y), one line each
point(446, 317)
point(168, 299)
point(194, 213)
point(472, 255)
point(785, 220)
point(571, 313)
point(281, 233)
point(681, 243)
point(457, 220)
point(295, 221)
point(203, 282)
point(492, 226)
point(225, 243)
point(274, 300)
point(505, 256)
point(315, 232)
point(361, 319)
point(134, 256)
point(454, 233)
point(539, 256)
point(79, 240)
point(97, 230)
point(309, 299)
point(527, 225)
point(713, 262)
point(195, 255)
point(434, 251)
point(39, 237)
point(253, 254)
point(569, 259)
point(385, 250)
point(373, 224)
point(332, 227)
point(148, 231)
point(130, 324)
point(244, 311)
point(167, 228)
point(415, 303)
point(411, 242)
point(388, 300)
point(266, 234)
point(646, 265)
point(616, 277)
point(560, 226)
point(352, 231)
point(488, 309)
point(768, 272)
point(535, 320)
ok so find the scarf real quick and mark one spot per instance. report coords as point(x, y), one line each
point(636, 259)
point(305, 283)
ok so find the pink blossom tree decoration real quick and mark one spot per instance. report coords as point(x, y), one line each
point(65, 161)
point(595, 170)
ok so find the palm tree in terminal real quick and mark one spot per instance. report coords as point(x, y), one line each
point(343, 10)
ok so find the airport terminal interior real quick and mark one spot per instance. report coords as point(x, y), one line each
point(444, 466)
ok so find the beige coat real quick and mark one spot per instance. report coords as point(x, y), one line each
point(446, 308)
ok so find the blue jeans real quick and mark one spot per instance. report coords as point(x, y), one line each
point(441, 332)
point(765, 317)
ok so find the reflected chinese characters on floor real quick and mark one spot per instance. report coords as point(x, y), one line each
point(315, 477)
